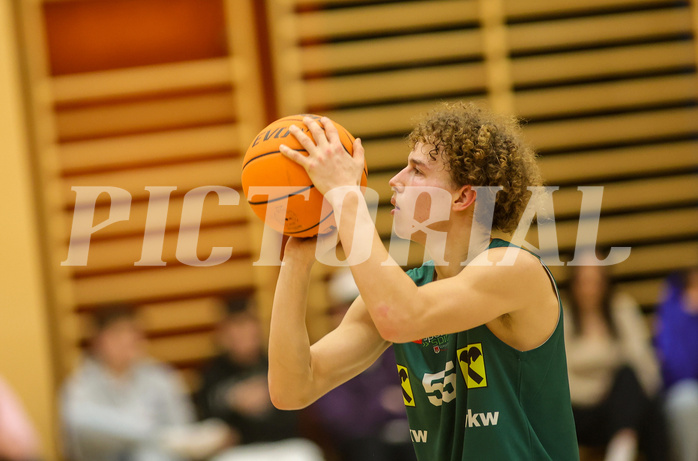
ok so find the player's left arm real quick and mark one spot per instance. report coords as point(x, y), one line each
point(479, 294)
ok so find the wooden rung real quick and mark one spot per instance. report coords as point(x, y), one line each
point(623, 196)
point(159, 114)
point(163, 282)
point(645, 260)
point(132, 151)
point(378, 52)
point(516, 9)
point(141, 80)
point(602, 63)
point(219, 172)
point(394, 85)
point(632, 228)
point(386, 153)
point(196, 346)
point(632, 195)
point(163, 317)
point(181, 313)
point(627, 229)
point(658, 258)
point(598, 165)
point(213, 214)
point(597, 131)
point(122, 254)
point(625, 94)
point(396, 17)
point(394, 118)
point(545, 35)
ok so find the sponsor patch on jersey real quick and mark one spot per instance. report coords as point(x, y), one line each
point(407, 394)
point(472, 364)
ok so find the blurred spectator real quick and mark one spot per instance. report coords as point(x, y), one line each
point(18, 441)
point(364, 417)
point(119, 404)
point(234, 389)
point(677, 343)
point(613, 374)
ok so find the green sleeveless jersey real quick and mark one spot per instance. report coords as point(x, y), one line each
point(469, 396)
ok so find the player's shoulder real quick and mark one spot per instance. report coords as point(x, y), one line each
point(512, 257)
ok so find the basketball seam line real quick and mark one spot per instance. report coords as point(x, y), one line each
point(264, 155)
point(299, 191)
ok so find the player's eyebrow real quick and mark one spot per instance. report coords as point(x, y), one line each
point(416, 162)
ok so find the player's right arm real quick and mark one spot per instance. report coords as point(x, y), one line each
point(300, 373)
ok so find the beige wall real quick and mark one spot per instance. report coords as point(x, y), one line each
point(24, 343)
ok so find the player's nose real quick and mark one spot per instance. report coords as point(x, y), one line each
point(396, 183)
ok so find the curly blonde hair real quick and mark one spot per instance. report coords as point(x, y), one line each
point(480, 148)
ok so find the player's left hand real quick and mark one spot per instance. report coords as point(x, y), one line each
point(327, 162)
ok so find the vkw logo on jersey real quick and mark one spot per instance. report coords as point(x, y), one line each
point(472, 365)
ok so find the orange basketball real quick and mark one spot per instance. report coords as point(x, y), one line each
point(264, 165)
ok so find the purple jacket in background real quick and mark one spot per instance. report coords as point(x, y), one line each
point(356, 408)
point(677, 341)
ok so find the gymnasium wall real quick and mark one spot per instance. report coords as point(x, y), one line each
point(25, 357)
point(138, 94)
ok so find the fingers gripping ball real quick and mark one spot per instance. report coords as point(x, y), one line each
point(297, 209)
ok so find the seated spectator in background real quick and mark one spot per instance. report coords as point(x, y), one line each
point(364, 417)
point(613, 374)
point(677, 344)
point(234, 389)
point(119, 404)
point(18, 441)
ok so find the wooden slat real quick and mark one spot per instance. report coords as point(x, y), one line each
point(633, 195)
point(114, 119)
point(516, 9)
point(221, 172)
point(177, 314)
point(600, 130)
point(141, 80)
point(656, 258)
point(144, 149)
point(396, 17)
point(624, 196)
point(633, 228)
point(395, 85)
point(394, 118)
point(548, 35)
point(164, 317)
point(623, 94)
point(213, 214)
point(602, 63)
point(196, 346)
point(643, 261)
point(390, 51)
point(121, 254)
point(386, 153)
point(163, 282)
point(644, 159)
point(573, 167)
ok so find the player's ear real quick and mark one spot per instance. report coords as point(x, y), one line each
point(463, 198)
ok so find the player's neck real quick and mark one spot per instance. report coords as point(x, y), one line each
point(462, 244)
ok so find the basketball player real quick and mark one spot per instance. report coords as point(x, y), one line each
point(479, 347)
